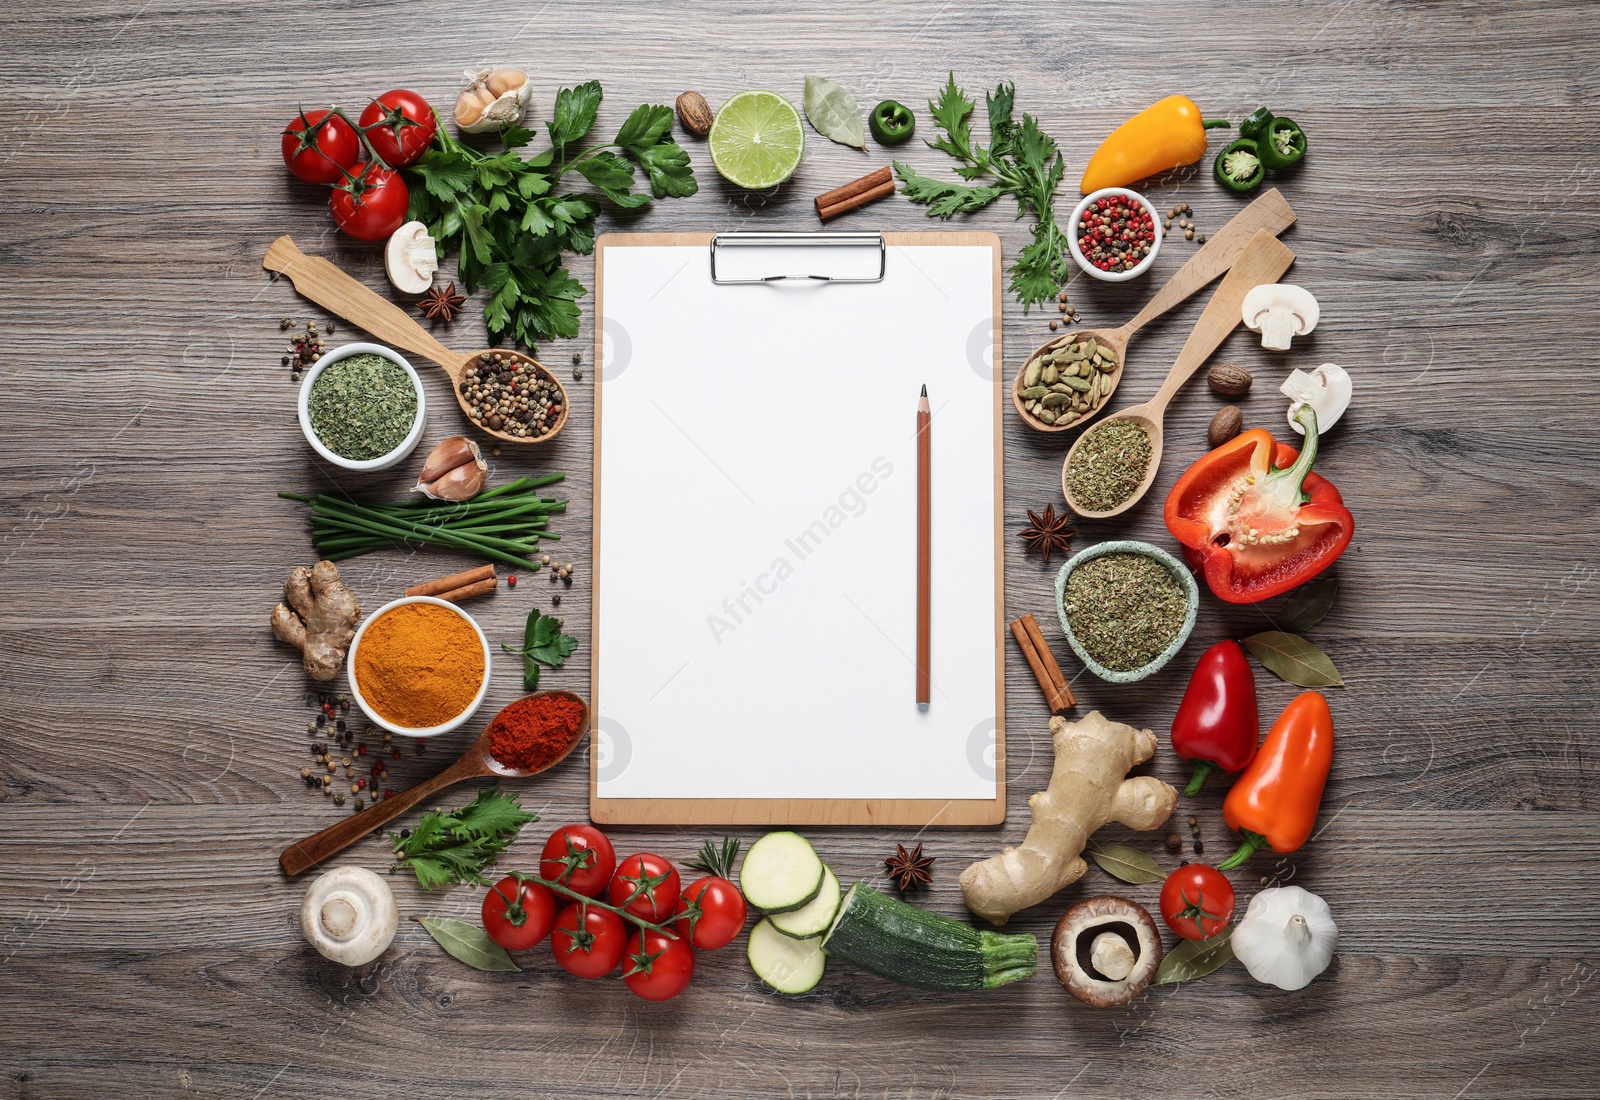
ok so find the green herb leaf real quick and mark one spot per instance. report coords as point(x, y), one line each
point(952, 113)
point(715, 859)
point(469, 943)
point(574, 113)
point(1310, 603)
point(645, 127)
point(943, 198)
point(1294, 659)
point(834, 112)
point(1193, 959)
point(1125, 863)
point(446, 849)
point(668, 168)
point(613, 176)
point(542, 641)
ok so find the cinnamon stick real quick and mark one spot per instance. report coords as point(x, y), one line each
point(467, 591)
point(1057, 692)
point(856, 193)
point(455, 581)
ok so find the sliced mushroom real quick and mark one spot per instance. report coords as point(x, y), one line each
point(410, 258)
point(349, 916)
point(1280, 311)
point(1327, 390)
point(1106, 950)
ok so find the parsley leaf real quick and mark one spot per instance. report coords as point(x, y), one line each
point(542, 640)
point(574, 113)
point(446, 849)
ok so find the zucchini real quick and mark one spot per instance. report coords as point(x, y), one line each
point(783, 962)
point(781, 872)
point(812, 919)
point(915, 947)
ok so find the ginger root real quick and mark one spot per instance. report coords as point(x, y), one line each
point(1087, 789)
point(320, 618)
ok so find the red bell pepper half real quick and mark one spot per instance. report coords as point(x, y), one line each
point(1253, 517)
point(1217, 725)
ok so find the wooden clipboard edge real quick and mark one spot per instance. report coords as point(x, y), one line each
point(804, 811)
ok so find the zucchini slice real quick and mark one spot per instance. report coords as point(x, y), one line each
point(781, 872)
point(916, 947)
point(813, 919)
point(783, 962)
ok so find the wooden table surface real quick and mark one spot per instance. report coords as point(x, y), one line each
point(153, 731)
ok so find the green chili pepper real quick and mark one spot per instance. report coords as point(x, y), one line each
point(1255, 123)
point(891, 122)
point(1282, 144)
point(1238, 167)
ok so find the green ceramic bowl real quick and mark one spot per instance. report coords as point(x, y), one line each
point(1128, 546)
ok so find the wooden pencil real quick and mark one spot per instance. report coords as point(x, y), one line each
point(924, 539)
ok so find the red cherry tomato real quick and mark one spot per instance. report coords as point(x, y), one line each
point(581, 857)
point(318, 146)
point(1197, 901)
point(647, 886)
point(658, 968)
point(588, 942)
point(721, 917)
point(400, 125)
point(372, 206)
point(518, 915)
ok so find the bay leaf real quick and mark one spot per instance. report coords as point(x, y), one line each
point(1294, 659)
point(1193, 959)
point(468, 942)
point(834, 113)
point(1125, 863)
point(1309, 604)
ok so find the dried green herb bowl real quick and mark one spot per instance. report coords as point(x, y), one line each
point(1172, 565)
point(346, 351)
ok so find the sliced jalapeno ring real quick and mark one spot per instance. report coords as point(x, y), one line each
point(891, 122)
point(1238, 167)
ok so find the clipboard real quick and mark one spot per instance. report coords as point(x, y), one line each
point(754, 558)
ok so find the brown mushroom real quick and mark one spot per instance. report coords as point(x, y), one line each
point(1106, 950)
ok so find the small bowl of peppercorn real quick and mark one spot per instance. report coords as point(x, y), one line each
point(362, 407)
point(1115, 234)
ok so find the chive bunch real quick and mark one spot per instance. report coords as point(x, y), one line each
point(503, 525)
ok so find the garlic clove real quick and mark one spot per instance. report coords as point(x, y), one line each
point(410, 258)
point(455, 451)
point(1327, 390)
point(493, 100)
point(461, 483)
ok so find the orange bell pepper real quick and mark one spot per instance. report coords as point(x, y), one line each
point(1161, 137)
point(1276, 798)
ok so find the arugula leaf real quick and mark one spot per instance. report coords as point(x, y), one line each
point(445, 849)
point(574, 113)
point(944, 198)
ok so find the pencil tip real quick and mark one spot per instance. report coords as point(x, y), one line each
point(924, 389)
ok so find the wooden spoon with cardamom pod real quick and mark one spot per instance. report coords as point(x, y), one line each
point(1263, 260)
point(323, 283)
point(1270, 212)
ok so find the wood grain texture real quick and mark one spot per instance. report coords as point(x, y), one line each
point(153, 731)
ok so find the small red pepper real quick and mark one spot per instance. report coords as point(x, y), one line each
point(1217, 725)
point(1253, 517)
point(1275, 801)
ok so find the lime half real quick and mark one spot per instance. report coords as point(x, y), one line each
point(756, 140)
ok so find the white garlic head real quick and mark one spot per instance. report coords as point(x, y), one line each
point(493, 99)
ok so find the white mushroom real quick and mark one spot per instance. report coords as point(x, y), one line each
point(1279, 311)
point(1286, 937)
point(492, 100)
point(1105, 950)
point(1327, 390)
point(349, 916)
point(410, 258)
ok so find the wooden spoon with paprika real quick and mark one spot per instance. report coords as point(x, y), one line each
point(475, 763)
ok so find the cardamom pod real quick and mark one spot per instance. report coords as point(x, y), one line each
point(1090, 346)
point(1054, 400)
point(1107, 367)
point(1073, 353)
point(1094, 388)
point(1050, 375)
point(1078, 384)
point(1047, 416)
point(1033, 393)
point(1061, 387)
point(1085, 369)
point(1030, 375)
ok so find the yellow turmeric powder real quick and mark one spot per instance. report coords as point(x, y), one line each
point(419, 665)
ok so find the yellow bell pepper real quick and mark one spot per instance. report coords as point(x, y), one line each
point(1161, 137)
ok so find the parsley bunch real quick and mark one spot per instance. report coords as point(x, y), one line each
point(1023, 162)
point(446, 849)
point(511, 228)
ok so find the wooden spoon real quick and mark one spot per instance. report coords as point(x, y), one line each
point(1270, 212)
point(475, 763)
point(317, 279)
point(1264, 259)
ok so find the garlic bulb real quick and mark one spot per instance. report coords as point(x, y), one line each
point(1327, 390)
point(1286, 938)
point(493, 99)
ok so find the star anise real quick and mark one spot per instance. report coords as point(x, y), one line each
point(909, 869)
point(1048, 532)
point(442, 304)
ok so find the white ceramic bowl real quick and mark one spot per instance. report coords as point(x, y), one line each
point(1083, 261)
point(345, 351)
point(416, 731)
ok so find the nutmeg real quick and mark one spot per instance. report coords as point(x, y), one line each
point(1228, 380)
point(1225, 425)
point(694, 113)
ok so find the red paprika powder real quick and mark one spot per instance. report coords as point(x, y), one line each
point(535, 731)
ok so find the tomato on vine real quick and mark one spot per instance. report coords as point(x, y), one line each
point(714, 913)
point(647, 886)
point(518, 914)
point(318, 146)
point(371, 204)
point(400, 126)
point(588, 942)
point(659, 967)
point(579, 856)
point(1197, 901)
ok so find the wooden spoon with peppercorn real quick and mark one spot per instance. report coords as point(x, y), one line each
point(511, 396)
point(1264, 259)
point(476, 763)
point(1270, 212)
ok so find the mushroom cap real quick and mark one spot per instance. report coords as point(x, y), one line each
point(349, 915)
point(1110, 932)
point(410, 258)
point(1327, 390)
point(1292, 299)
